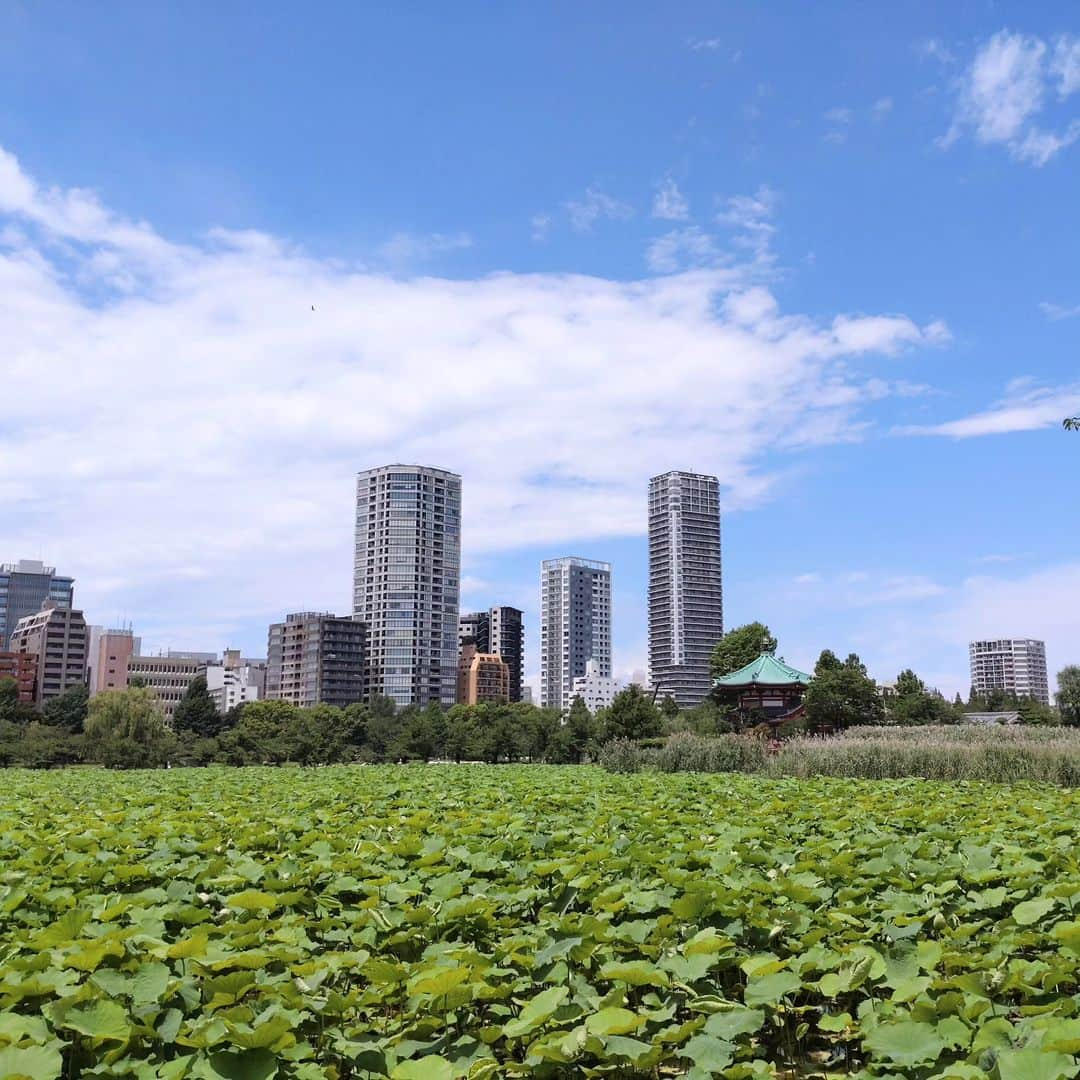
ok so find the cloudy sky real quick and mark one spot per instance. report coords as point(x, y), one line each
point(826, 253)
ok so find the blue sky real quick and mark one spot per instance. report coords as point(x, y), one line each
point(828, 254)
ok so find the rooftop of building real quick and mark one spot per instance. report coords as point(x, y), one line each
point(576, 560)
point(30, 566)
point(766, 670)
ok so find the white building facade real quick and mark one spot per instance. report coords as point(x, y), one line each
point(596, 690)
point(1016, 665)
point(233, 681)
point(575, 625)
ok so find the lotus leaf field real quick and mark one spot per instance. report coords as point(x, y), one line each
point(470, 921)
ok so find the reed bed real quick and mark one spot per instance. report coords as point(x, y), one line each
point(994, 754)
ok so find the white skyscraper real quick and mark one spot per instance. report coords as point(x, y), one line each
point(406, 582)
point(686, 603)
point(575, 618)
point(1017, 665)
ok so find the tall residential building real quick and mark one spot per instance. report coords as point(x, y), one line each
point(57, 635)
point(1017, 665)
point(686, 604)
point(474, 628)
point(500, 630)
point(315, 658)
point(507, 639)
point(168, 677)
point(109, 652)
point(24, 587)
point(596, 690)
point(575, 625)
point(406, 582)
point(482, 677)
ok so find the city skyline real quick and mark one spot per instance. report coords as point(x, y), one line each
point(841, 279)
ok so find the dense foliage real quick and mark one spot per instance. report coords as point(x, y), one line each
point(471, 922)
point(741, 646)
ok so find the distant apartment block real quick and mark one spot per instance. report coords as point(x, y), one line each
point(57, 636)
point(406, 581)
point(24, 587)
point(109, 652)
point(500, 630)
point(315, 658)
point(686, 606)
point(168, 676)
point(22, 667)
point(234, 680)
point(482, 677)
point(1016, 665)
point(575, 625)
point(596, 690)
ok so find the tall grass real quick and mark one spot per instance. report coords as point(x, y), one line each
point(998, 754)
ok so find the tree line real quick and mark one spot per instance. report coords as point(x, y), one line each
point(127, 728)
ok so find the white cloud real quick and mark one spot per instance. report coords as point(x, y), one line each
point(1058, 311)
point(407, 248)
point(683, 249)
point(706, 44)
point(669, 203)
point(839, 115)
point(1005, 89)
point(593, 205)
point(751, 219)
point(182, 431)
point(882, 107)
point(936, 49)
point(1065, 65)
point(541, 224)
point(1024, 408)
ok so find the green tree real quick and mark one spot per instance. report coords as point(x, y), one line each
point(1068, 695)
point(126, 729)
point(9, 699)
point(669, 710)
point(1036, 713)
point(631, 715)
point(907, 683)
point(580, 729)
point(68, 710)
point(265, 734)
point(740, 646)
point(842, 696)
point(196, 713)
point(1072, 423)
point(383, 726)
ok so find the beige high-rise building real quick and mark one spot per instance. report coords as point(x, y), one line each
point(315, 658)
point(482, 677)
point(110, 653)
point(168, 676)
point(57, 635)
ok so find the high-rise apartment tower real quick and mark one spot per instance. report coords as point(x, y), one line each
point(686, 604)
point(1017, 665)
point(406, 584)
point(575, 625)
point(24, 587)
